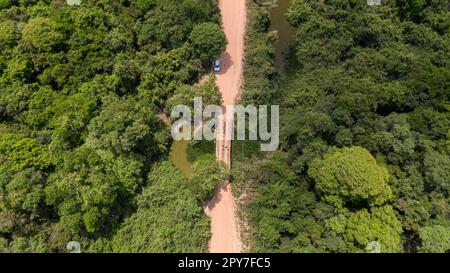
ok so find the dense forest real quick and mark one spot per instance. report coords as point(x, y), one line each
point(365, 129)
point(83, 152)
point(364, 138)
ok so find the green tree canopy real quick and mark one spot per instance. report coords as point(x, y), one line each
point(434, 239)
point(19, 152)
point(42, 34)
point(124, 127)
point(91, 188)
point(207, 174)
point(168, 218)
point(7, 34)
point(81, 88)
point(351, 174)
point(208, 40)
point(372, 81)
point(361, 227)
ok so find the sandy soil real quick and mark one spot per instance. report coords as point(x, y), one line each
point(224, 224)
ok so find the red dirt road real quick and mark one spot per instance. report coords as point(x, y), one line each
point(224, 223)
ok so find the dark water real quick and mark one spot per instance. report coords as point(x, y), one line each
point(286, 33)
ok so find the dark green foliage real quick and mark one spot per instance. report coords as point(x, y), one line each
point(208, 41)
point(261, 20)
point(81, 88)
point(258, 66)
point(24, 192)
point(196, 149)
point(126, 127)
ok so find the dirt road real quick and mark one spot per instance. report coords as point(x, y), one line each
point(224, 224)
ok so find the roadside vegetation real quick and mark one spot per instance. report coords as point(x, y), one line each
point(83, 153)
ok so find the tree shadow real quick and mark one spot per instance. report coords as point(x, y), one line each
point(211, 204)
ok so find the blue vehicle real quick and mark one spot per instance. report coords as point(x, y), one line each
point(217, 65)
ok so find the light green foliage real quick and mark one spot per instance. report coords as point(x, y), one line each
point(34, 244)
point(207, 174)
point(352, 174)
point(168, 219)
point(42, 34)
point(7, 34)
point(184, 95)
point(282, 211)
point(89, 185)
point(434, 239)
point(174, 20)
point(166, 71)
point(40, 110)
point(124, 127)
point(19, 152)
point(196, 149)
point(72, 115)
point(361, 227)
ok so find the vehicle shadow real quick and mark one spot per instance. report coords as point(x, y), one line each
point(225, 58)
